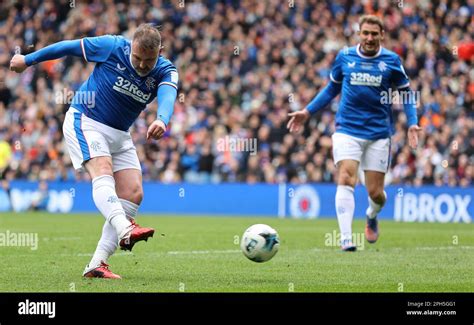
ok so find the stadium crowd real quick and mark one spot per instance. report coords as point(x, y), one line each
point(244, 65)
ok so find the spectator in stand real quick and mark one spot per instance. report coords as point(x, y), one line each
point(243, 65)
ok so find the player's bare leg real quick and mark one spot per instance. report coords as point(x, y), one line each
point(105, 195)
point(374, 182)
point(117, 230)
point(128, 184)
point(346, 181)
point(116, 224)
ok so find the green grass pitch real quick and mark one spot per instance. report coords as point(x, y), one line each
point(201, 254)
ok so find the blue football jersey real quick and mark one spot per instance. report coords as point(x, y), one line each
point(363, 111)
point(119, 94)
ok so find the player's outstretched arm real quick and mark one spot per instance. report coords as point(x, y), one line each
point(54, 51)
point(299, 118)
point(166, 98)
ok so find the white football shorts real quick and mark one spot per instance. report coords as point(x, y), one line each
point(371, 154)
point(87, 139)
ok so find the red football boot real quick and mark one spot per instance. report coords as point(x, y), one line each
point(101, 271)
point(136, 234)
point(372, 230)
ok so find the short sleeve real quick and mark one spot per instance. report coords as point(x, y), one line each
point(169, 75)
point(400, 78)
point(336, 71)
point(97, 49)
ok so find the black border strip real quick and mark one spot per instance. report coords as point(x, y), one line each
point(242, 306)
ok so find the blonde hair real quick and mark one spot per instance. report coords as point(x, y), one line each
point(148, 37)
point(371, 19)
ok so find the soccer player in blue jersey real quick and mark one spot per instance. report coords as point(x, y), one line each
point(127, 76)
point(363, 74)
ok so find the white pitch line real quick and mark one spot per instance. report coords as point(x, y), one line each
point(432, 248)
point(323, 249)
point(234, 251)
point(90, 254)
point(203, 252)
point(421, 248)
point(60, 238)
point(227, 251)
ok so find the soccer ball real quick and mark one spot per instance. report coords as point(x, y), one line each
point(260, 243)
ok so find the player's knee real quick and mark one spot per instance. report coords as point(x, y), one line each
point(105, 170)
point(138, 194)
point(132, 193)
point(376, 194)
point(346, 178)
point(99, 166)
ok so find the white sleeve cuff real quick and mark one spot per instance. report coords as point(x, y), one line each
point(334, 80)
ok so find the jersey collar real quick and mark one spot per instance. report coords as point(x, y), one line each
point(365, 56)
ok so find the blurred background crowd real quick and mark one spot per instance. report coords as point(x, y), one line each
point(244, 65)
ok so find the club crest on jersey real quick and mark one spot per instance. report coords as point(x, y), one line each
point(150, 83)
point(382, 66)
